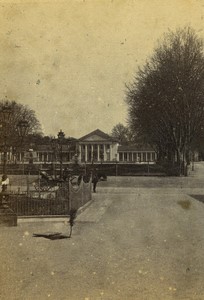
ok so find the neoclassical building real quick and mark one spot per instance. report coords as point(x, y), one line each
point(97, 146)
point(94, 147)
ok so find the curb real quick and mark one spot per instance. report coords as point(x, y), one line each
point(84, 207)
point(42, 219)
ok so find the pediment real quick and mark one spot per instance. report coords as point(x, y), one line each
point(94, 138)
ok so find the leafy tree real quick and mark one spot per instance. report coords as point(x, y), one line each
point(121, 133)
point(166, 99)
point(19, 112)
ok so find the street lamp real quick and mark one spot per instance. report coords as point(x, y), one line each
point(116, 167)
point(61, 136)
point(6, 112)
point(22, 128)
point(54, 148)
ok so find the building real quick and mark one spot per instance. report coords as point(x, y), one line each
point(97, 146)
point(94, 147)
point(136, 154)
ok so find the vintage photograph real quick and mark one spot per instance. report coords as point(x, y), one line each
point(102, 150)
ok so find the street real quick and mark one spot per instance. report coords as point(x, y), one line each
point(141, 238)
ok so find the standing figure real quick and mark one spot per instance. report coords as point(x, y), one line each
point(94, 180)
point(4, 183)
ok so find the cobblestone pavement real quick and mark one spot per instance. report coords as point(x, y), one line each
point(140, 239)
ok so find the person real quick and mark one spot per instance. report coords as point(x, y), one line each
point(79, 179)
point(94, 180)
point(65, 174)
point(4, 183)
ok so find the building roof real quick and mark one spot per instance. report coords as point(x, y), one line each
point(96, 136)
point(134, 148)
point(48, 148)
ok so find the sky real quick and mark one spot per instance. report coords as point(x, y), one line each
point(70, 60)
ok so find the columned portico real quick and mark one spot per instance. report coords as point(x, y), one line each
point(98, 146)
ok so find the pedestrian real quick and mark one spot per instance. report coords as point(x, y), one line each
point(94, 180)
point(79, 179)
point(4, 183)
point(65, 174)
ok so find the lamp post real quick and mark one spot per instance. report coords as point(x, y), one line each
point(6, 113)
point(7, 216)
point(116, 166)
point(54, 149)
point(193, 159)
point(22, 127)
point(61, 136)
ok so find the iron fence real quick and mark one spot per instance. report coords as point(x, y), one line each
point(30, 206)
point(50, 203)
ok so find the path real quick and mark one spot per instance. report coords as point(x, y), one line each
point(139, 242)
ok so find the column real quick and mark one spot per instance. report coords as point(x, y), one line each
point(122, 156)
point(111, 153)
point(91, 153)
point(85, 152)
point(128, 156)
point(104, 152)
point(98, 152)
point(80, 153)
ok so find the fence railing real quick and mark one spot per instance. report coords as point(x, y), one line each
point(26, 206)
point(50, 203)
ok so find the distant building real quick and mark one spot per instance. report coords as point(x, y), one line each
point(94, 147)
point(136, 154)
point(97, 146)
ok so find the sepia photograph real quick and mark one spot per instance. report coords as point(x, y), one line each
point(102, 150)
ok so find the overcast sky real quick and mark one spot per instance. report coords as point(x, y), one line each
point(69, 61)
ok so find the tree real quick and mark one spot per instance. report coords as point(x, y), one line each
point(20, 112)
point(165, 100)
point(121, 133)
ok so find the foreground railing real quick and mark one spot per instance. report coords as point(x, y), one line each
point(27, 206)
point(50, 203)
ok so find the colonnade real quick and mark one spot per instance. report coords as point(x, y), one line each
point(96, 152)
point(137, 156)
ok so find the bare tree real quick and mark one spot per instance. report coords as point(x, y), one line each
point(166, 102)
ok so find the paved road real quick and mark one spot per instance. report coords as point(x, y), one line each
point(139, 240)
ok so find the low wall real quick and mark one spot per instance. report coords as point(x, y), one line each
point(128, 169)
